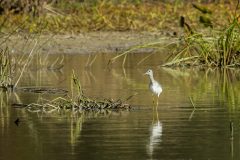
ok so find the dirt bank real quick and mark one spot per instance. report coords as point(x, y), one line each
point(85, 43)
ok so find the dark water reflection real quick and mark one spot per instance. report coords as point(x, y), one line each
point(175, 131)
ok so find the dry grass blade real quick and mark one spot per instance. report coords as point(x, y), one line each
point(153, 45)
point(178, 61)
point(28, 61)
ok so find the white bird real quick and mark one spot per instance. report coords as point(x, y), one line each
point(154, 86)
point(156, 129)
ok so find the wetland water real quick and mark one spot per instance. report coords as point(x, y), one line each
point(175, 131)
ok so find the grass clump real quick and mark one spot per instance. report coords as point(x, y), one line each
point(228, 46)
point(220, 50)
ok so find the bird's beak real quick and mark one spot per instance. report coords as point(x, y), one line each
point(145, 73)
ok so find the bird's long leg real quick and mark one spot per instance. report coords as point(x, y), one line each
point(153, 108)
point(157, 110)
point(153, 98)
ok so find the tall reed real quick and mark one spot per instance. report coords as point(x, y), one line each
point(5, 69)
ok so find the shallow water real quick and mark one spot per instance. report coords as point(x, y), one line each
point(175, 131)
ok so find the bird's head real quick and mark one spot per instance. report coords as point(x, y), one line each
point(149, 72)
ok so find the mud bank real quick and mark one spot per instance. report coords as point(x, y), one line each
point(84, 43)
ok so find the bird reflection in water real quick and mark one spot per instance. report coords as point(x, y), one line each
point(155, 137)
point(156, 127)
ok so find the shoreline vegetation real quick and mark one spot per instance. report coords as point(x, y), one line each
point(61, 16)
point(217, 48)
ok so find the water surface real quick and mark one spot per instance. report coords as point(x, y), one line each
point(175, 131)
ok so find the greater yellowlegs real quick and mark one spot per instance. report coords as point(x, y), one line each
point(156, 129)
point(154, 86)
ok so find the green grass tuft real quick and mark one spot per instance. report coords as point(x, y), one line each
point(220, 50)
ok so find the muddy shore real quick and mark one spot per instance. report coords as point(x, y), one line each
point(84, 43)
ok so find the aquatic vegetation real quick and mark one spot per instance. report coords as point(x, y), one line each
point(75, 102)
point(21, 61)
point(84, 103)
point(5, 69)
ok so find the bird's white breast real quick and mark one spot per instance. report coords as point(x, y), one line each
point(156, 88)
